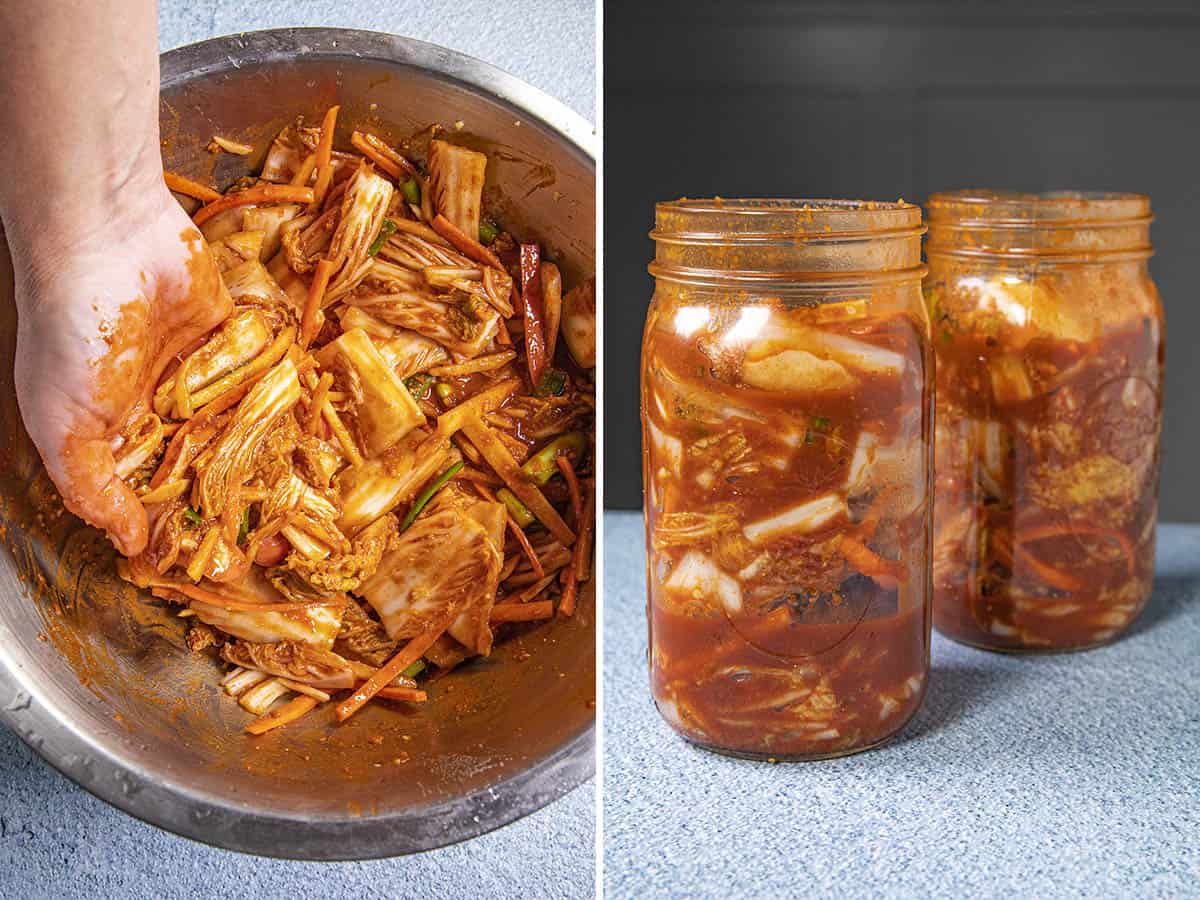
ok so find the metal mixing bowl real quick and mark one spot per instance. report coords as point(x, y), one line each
point(98, 682)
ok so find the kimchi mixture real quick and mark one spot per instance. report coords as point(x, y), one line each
point(786, 452)
point(383, 455)
point(1049, 379)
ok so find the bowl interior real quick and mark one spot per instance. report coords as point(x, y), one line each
point(102, 684)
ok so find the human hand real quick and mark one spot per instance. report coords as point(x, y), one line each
point(101, 312)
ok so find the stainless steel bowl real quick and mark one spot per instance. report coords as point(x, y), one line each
point(98, 683)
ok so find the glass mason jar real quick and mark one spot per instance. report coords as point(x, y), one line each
point(786, 410)
point(1048, 333)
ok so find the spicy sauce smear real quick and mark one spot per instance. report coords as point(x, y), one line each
point(786, 454)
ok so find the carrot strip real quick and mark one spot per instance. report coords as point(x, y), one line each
point(882, 571)
point(289, 712)
point(189, 188)
point(581, 553)
point(411, 695)
point(465, 244)
point(381, 154)
point(324, 158)
point(261, 193)
point(312, 306)
point(304, 173)
point(405, 657)
point(485, 363)
point(568, 473)
point(522, 612)
point(320, 393)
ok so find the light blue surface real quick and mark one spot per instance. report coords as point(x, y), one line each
point(58, 841)
point(1065, 775)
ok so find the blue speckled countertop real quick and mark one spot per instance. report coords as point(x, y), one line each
point(1043, 776)
point(58, 841)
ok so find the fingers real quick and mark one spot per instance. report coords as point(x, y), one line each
point(88, 482)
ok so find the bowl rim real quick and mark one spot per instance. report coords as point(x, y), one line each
point(224, 821)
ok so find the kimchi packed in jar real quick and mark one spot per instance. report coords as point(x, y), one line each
point(786, 409)
point(1048, 333)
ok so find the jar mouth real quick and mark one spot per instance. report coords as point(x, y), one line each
point(1076, 227)
point(1049, 209)
point(765, 221)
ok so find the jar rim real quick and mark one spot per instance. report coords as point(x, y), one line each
point(767, 220)
point(1061, 208)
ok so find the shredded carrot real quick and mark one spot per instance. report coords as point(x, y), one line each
point(568, 473)
point(334, 421)
point(304, 173)
point(377, 150)
point(884, 572)
point(405, 657)
point(261, 193)
point(581, 553)
point(517, 532)
point(320, 394)
point(522, 612)
point(310, 322)
point(324, 158)
point(189, 188)
point(289, 712)
point(465, 244)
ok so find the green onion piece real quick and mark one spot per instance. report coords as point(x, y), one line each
point(419, 385)
point(541, 467)
point(385, 232)
point(411, 191)
point(428, 493)
point(192, 517)
point(553, 382)
point(487, 232)
point(244, 528)
point(415, 669)
point(820, 423)
point(808, 438)
point(443, 391)
point(518, 510)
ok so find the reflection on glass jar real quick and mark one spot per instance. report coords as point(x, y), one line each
point(786, 409)
point(1049, 339)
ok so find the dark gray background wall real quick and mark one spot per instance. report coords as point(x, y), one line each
point(880, 100)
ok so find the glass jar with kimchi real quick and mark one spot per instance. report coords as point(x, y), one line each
point(1049, 341)
point(786, 409)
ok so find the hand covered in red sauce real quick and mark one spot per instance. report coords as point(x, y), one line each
point(100, 316)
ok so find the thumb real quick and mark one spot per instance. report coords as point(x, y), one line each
point(87, 479)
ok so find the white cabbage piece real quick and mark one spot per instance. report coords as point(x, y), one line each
point(406, 351)
point(252, 281)
point(797, 371)
point(384, 409)
point(270, 220)
point(364, 207)
point(696, 577)
point(381, 484)
point(241, 338)
point(805, 518)
point(445, 564)
point(456, 181)
point(294, 660)
point(461, 321)
point(234, 249)
point(230, 460)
